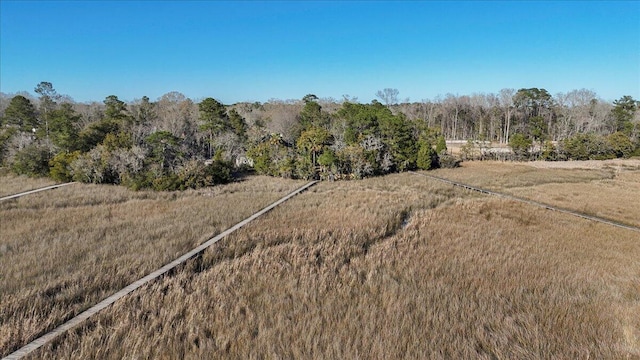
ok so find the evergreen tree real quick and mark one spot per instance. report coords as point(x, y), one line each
point(21, 113)
point(214, 119)
point(311, 115)
point(520, 145)
point(116, 109)
point(312, 142)
point(238, 124)
point(48, 98)
point(623, 112)
point(441, 145)
point(64, 133)
point(397, 134)
point(360, 120)
point(427, 158)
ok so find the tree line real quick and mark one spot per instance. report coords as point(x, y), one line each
point(178, 143)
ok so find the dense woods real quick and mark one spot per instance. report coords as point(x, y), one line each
point(176, 143)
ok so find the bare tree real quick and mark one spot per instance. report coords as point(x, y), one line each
point(281, 117)
point(176, 114)
point(506, 103)
point(144, 118)
point(451, 107)
point(599, 117)
point(388, 96)
point(89, 112)
point(349, 98)
point(492, 112)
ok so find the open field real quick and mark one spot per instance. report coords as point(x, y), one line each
point(393, 267)
point(12, 184)
point(608, 189)
point(65, 249)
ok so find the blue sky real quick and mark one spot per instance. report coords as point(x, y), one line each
point(254, 51)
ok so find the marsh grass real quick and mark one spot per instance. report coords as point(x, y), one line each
point(605, 191)
point(615, 199)
point(495, 175)
point(393, 267)
point(64, 250)
point(12, 184)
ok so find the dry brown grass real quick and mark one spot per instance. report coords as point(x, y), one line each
point(64, 250)
point(609, 189)
point(12, 184)
point(622, 164)
point(395, 267)
point(617, 199)
point(501, 176)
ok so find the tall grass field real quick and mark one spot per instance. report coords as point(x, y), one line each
point(399, 266)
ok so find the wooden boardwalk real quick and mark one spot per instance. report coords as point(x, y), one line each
point(35, 191)
point(531, 202)
point(46, 338)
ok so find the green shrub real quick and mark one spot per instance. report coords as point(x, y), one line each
point(219, 172)
point(33, 160)
point(6, 134)
point(93, 167)
point(273, 157)
point(169, 182)
point(427, 156)
point(449, 161)
point(139, 181)
point(441, 145)
point(620, 145)
point(60, 166)
point(549, 151)
point(587, 147)
point(193, 175)
point(304, 169)
point(469, 151)
point(327, 158)
point(520, 145)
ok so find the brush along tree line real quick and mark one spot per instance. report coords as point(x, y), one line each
point(176, 143)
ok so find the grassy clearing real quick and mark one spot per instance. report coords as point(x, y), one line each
point(12, 184)
point(394, 267)
point(64, 250)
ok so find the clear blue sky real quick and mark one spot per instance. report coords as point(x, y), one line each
point(254, 51)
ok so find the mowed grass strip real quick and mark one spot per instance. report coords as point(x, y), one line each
point(395, 267)
point(64, 251)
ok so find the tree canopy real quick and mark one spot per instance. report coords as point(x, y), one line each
point(176, 143)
